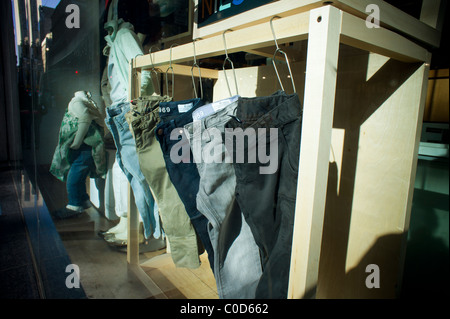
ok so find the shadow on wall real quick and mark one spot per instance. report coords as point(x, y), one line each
point(351, 243)
point(425, 270)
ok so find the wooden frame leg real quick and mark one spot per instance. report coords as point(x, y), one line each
point(133, 249)
point(422, 96)
point(133, 230)
point(133, 214)
point(320, 88)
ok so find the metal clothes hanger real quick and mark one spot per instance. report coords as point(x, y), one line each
point(285, 56)
point(232, 66)
point(173, 74)
point(199, 73)
point(153, 70)
point(134, 73)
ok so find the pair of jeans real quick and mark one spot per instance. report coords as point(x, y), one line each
point(82, 163)
point(181, 169)
point(236, 256)
point(175, 221)
point(268, 200)
point(128, 161)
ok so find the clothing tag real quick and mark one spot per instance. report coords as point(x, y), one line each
point(183, 108)
point(224, 103)
point(212, 108)
point(220, 105)
point(202, 112)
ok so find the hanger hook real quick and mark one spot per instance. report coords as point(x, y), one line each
point(153, 70)
point(225, 42)
point(173, 74)
point(285, 57)
point(195, 52)
point(133, 62)
point(151, 57)
point(199, 73)
point(232, 65)
point(273, 31)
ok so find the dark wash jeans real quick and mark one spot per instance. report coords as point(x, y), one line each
point(82, 163)
point(184, 175)
point(268, 200)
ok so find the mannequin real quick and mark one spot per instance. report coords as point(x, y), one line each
point(83, 108)
point(80, 152)
point(116, 183)
point(123, 44)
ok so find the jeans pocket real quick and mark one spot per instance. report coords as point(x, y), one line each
point(291, 138)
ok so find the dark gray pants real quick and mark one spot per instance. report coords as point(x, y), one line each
point(268, 200)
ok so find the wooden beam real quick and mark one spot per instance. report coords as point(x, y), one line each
point(131, 85)
point(318, 109)
point(380, 40)
point(185, 70)
point(426, 30)
point(394, 19)
point(421, 97)
point(132, 216)
point(262, 14)
point(288, 29)
point(294, 55)
point(133, 230)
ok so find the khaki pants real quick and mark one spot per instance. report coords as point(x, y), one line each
point(175, 221)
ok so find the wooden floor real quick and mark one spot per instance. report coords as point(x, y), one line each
point(181, 283)
point(104, 271)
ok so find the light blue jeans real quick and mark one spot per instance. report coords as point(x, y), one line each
point(128, 161)
point(237, 263)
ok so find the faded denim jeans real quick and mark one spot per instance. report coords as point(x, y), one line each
point(128, 161)
point(236, 256)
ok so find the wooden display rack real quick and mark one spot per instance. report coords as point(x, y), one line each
point(363, 92)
